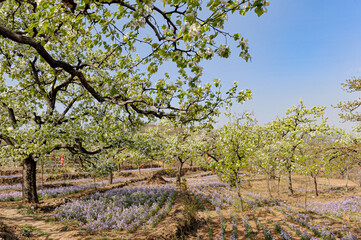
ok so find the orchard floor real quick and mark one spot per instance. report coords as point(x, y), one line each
point(21, 221)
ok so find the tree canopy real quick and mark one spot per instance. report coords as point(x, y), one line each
point(117, 50)
point(78, 74)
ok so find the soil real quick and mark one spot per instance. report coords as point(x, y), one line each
point(10, 171)
point(11, 180)
point(64, 176)
point(184, 221)
point(34, 228)
point(156, 179)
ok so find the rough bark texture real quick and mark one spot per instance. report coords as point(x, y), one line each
point(289, 183)
point(29, 180)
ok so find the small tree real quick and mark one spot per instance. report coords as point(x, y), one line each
point(180, 145)
point(346, 154)
point(268, 157)
point(236, 143)
point(292, 131)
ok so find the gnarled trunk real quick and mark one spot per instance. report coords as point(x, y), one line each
point(29, 180)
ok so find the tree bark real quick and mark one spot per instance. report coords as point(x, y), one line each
point(239, 194)
point(306, 193)
point(29, 180)
point(315, 182)
point(268, 185)
point(110, 177)
point(347, 175)
point(289, 183)
point(179, 171)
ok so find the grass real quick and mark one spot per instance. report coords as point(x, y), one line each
point(30, 231)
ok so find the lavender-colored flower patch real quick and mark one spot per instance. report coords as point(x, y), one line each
point(10, 196)
point(10, 176)
point(55, 192)
point(339, 208)
point(125, 208)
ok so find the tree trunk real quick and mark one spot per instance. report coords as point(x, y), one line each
point(179, 171)
point(315, 182)
point(239, 194)
point(29, 180)
point(306, 192)
point(110, 177)
point(268, 185)
point(140, 174)
point(289, 183)
point(347, 175)
point(278, 185)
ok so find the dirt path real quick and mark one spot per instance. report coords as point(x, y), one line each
point(39, 228)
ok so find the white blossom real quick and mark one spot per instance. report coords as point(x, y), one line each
point(209, 52)
point(148, 9)
point(194, 30)
point(126, 37)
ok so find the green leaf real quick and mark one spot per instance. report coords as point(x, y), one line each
point(113, 91)
point(258, 11)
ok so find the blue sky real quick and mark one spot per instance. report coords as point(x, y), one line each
point(299, 49)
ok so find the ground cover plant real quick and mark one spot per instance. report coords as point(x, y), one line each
point(123, 209)
point(52, 192)
point(108, 82)
point(267, 218)
point(140, 207)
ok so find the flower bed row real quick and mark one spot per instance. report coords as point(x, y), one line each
point(56, 191)
point(123, 209)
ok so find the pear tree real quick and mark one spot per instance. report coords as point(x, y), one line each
point(293, 130)
point(57, 56)
point(236, 144)
point(268, 157)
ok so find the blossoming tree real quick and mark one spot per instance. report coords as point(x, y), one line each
point(293, 130)
point(113, 52)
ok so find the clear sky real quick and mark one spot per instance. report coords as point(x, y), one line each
point(303, 48)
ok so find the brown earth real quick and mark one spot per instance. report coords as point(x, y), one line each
point(206, 224)
point(10, 180)
point(156, 179)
